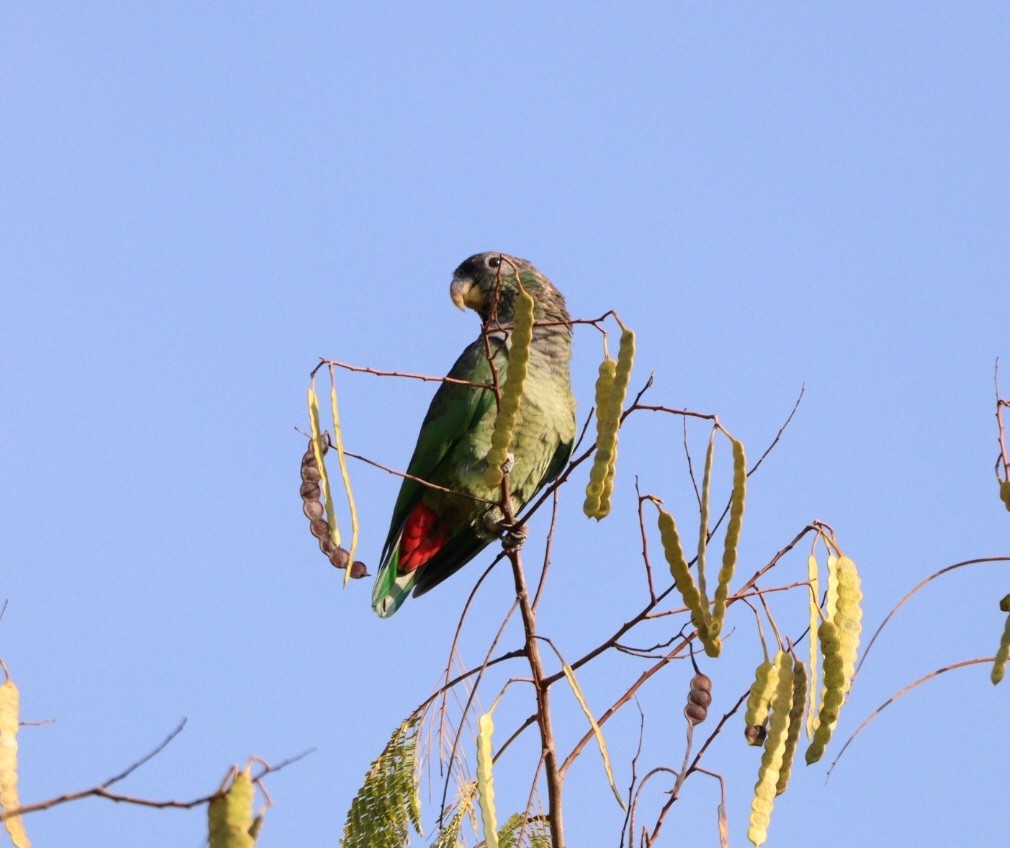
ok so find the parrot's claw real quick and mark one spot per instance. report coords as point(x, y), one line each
point(509, 463)
point(494, 526)
point(514, 538)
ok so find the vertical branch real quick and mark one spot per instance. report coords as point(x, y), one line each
point(544, 721)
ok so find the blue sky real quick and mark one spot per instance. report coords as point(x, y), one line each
point(196, 203)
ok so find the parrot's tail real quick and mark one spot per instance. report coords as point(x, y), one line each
point(391, 589)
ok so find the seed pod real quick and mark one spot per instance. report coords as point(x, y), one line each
point(485, 780)
point(315, 512)
point(1004, 493)
point(674, 553)
point(699, 698)
point(9, 718)
point(605, 447)
point(736, 507)
point(774, 750)
point(611, 390)
point(848, 616)
point(813, 686)
point(512, 390)
point(759, 701)
point(317, 448)
point(1003, 653)
point(230, 815)
point(834, 690)
point(795, 723)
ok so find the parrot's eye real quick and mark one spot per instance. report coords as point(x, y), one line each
point(493, 261)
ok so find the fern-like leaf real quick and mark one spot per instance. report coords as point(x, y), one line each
point(387, 801)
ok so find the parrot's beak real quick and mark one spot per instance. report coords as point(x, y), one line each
point(465, 293)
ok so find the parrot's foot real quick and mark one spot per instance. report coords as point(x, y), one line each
point(509, 463)
point(494, 526)
point(514, 538)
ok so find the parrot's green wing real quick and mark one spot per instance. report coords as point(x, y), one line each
point(453, 422)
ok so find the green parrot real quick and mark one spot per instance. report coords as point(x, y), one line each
point(434, 532)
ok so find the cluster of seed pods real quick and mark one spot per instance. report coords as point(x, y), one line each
point(314, 511)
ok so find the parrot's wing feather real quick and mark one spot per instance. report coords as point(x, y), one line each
point(454, 412)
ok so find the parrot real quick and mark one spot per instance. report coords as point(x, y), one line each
point(436, 531)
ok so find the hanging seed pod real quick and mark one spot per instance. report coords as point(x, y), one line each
point(759, 701)
point(674, 553)
point(606, 441)
point(795, 724)
point(699, 698)
point(813, 683)
point(512, 390)
point(1004, 493)
point(834, 691)
point(848, 616)
point(774, 750)
point(9, 722)
point(316, 513)
point(736, 507)
point(611, 390)
point(1003, 653)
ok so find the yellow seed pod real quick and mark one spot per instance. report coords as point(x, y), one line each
point(774, 751)
point(1004, 493)
point(706, 486)
point(833, 694)
point(1003, 653)
point(848, 617)
point(606, 441)
point(674, 553)
point(9, 717)
point(795, 723)
point(230, 816)
point(729, 554)
point(485, 781)
point(813, 686)
point(759, 701)
point(512, 390)
point(611, 390)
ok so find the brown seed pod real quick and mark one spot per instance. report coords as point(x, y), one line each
point(314, 510)
point(698, 699)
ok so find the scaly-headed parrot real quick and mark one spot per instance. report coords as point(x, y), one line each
point(434, 532)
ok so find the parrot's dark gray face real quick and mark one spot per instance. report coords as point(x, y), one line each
point(477, 280)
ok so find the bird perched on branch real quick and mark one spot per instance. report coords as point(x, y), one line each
point(435, 530)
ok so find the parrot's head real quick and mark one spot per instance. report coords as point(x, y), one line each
point(489, 282)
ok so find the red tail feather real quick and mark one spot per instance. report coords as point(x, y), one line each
point(422, 538)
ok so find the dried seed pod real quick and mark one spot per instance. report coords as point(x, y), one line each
point(795, 723)
point(759, 702)
point(699, 698)
point(512, 390)
point(316, 513)
point(774, 749)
